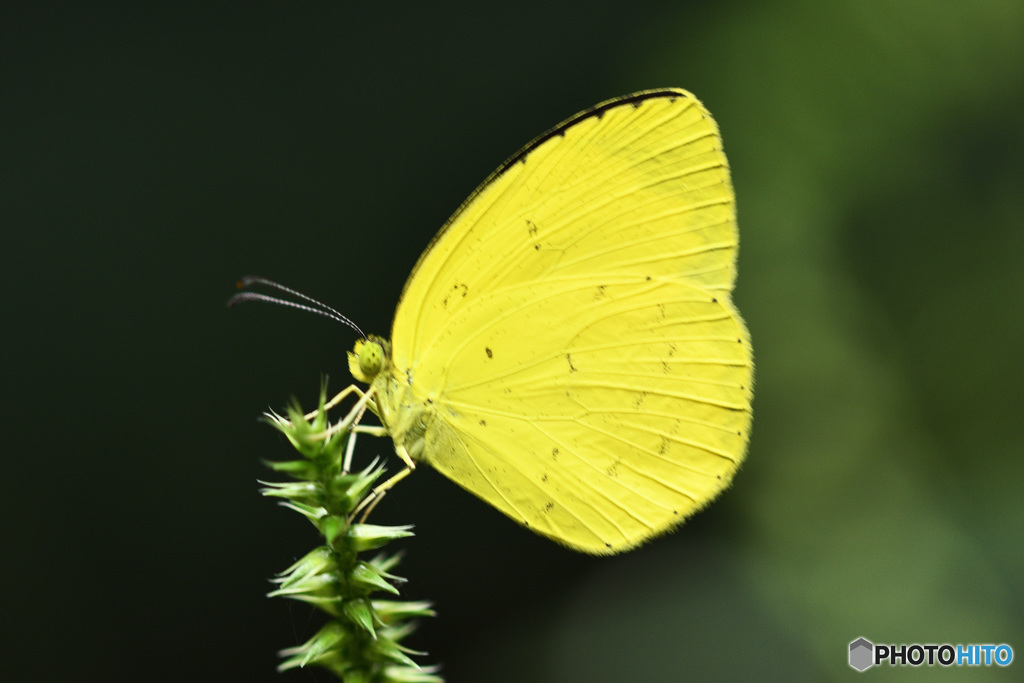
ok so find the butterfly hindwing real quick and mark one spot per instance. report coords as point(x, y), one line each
point(598, 414)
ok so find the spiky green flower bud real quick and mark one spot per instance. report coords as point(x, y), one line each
point(362, 640)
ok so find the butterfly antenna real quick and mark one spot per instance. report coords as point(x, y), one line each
point(320, 308)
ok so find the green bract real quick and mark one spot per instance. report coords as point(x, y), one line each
point(361, 642)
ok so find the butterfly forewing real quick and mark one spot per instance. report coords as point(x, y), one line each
point(639, 184)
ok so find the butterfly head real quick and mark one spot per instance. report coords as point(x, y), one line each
point(369, 357)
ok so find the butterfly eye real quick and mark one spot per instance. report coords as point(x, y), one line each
point(371, 358)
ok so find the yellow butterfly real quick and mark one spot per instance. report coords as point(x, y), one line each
point(566, 348)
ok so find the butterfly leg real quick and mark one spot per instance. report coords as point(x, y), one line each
point(370, 502)
point(350, 447)
point(371, 430)
point(339, 397)
point(354, 416)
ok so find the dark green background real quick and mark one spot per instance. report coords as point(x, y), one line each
point(151, 156)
